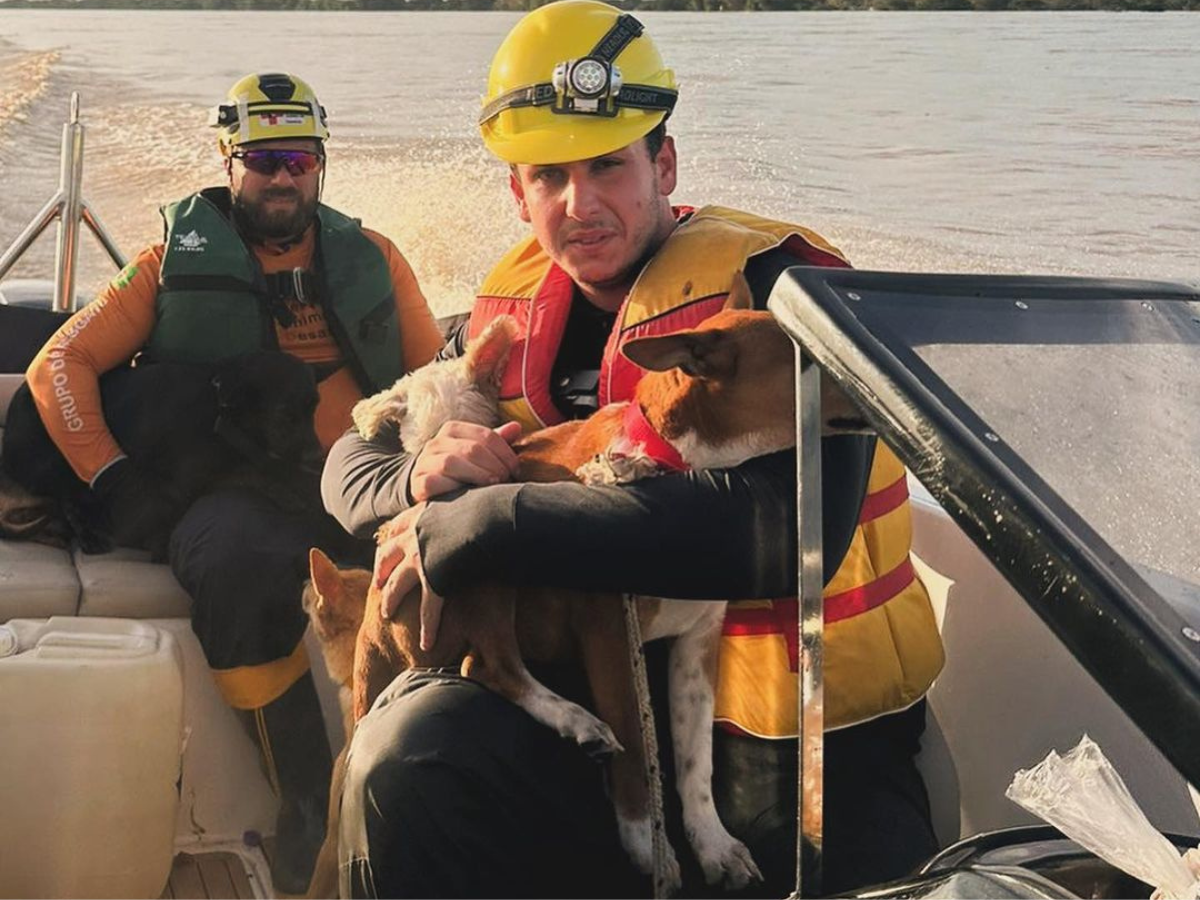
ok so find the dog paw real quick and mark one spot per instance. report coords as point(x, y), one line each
point(672, 879)
point(729, 864)
point(637, 837)
point(594, 737)
point(569, 719)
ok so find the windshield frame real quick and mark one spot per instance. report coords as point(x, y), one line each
point(1122, 630)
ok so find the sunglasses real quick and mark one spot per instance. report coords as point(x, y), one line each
point(267, 162)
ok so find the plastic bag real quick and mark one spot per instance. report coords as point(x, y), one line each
point(1082, 795)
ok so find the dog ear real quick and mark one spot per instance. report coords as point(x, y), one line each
point(739, 296)
point(701, 354)
point(326, 579)
point(487, 354)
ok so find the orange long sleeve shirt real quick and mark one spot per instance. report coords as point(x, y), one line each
point(64, 376)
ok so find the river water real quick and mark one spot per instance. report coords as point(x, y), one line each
point(999, 142)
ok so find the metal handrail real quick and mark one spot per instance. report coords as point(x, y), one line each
point(810, 811)
point(69, 208)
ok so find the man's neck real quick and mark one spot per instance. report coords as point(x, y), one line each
point(608, 299)
point(280, 245)
point(277, 245)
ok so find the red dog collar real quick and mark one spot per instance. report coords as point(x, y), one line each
point(639, 431)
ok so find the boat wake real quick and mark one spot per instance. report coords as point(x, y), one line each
point(24, 77)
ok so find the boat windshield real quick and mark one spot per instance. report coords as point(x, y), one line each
point(1056, 420)
point(1099, 397)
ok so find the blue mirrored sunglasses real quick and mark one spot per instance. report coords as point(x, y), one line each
point(267, 162)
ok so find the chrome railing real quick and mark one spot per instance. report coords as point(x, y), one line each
point(811, 808)
point(69, 208)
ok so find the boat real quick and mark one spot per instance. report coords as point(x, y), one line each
point(1048, 427)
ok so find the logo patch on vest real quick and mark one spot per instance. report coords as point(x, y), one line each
point(124, 277)
point(190, 242)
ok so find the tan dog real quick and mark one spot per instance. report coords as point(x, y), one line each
point(717, 395)
point(332, 602)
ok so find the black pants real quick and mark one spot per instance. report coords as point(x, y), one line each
point(878, 826)
point(452, 791)
point(244, 561)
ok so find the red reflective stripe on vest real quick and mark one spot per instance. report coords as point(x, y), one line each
point(868, 596)
point(883, 502)
point(783, 616)
point(758, 620)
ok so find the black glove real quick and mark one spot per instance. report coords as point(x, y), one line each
point(141, 508)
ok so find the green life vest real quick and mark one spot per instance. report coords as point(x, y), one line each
point(214, 301)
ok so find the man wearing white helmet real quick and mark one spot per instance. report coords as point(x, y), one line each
point(451, 791)
point(255, 263)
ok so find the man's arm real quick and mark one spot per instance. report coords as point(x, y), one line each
point(716, 534)
point(706, 535)
point(366, 482)
point(64, 376)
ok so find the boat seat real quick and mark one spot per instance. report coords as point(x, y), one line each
point(125, 584)
point(37, 581)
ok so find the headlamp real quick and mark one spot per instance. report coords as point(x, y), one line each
point(591, 85)
point(223, 115)
point(586, 85)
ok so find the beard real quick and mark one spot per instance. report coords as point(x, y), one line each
point(256, 221)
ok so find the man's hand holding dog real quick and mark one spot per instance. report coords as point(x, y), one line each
point(398, 570)
point(463, 454)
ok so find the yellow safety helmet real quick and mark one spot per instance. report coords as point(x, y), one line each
point(268, 107)
point(574, 79)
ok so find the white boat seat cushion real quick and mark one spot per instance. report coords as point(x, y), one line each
point(125, 584)
point(36, 581)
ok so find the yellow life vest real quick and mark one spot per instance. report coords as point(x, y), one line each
point(882, 647)
point(684, 284)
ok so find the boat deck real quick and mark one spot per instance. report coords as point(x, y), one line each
point(204, 875)
point(213, 874)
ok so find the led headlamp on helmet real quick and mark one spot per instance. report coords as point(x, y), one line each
point(573, 80)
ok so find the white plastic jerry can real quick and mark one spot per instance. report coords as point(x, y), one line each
point(91, 719)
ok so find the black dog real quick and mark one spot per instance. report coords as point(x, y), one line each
point(187, 429)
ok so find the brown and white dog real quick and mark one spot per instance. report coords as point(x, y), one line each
point(714, 396)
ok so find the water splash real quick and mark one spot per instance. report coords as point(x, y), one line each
point(445, 203)
point(23, 80)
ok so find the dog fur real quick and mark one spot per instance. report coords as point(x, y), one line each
point(187, 428)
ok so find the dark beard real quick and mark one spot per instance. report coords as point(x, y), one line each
point(254, 222)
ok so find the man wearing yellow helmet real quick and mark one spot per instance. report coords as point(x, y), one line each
point(452, 791)
point(256, 263)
